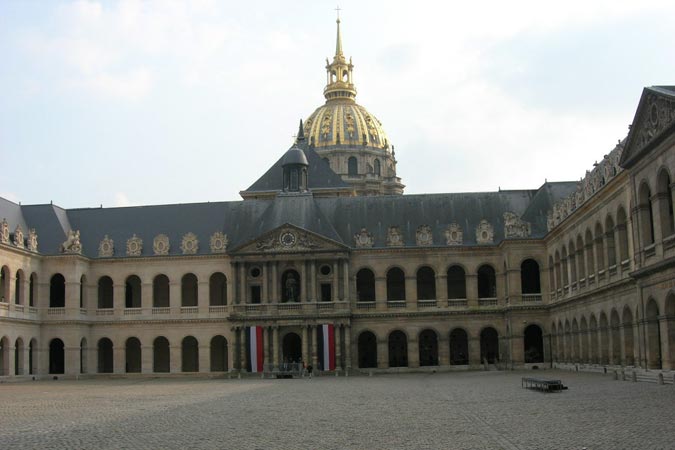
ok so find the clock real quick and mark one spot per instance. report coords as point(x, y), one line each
point(287, 239)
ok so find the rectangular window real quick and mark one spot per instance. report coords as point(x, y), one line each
point(326, 294)
point(255, 294)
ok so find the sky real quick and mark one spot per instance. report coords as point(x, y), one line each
point(121, 103)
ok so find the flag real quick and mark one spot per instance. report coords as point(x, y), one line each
point(254, 349)
point(326, 347)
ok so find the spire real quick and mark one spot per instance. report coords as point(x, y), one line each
point(301, 133)
point(338, 44)
point(339, 85)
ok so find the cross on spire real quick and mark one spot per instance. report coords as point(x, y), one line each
point(338, 9)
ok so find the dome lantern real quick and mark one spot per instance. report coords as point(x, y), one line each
point(339, 84)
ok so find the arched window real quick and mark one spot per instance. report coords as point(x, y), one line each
point(551, 273)
point(218, 289)
point(590, 258)
point(83, 355)
point(105, 356)
point(160, 291)
point(529, 277)
point(564, 264)
point(395, 284)
point(646, 215)
point(456, 283)
point(32, 289)
point(581, 261)
point(489, 345)
point(665, 204)
point(627, 324)
point(18, 357)
point(599, 247)
point(133, 355)
point(160, 355)
point(367, 344)
point(188, 284)
point(609, 238)
point(572, 258)
point(426, 283)
point(219, 354)
point(398, 349)
point(105, 292)
point(558, 271)
point(377, 168)
point(622, 231)
point(533, 344)
point(56, 356)
point(365, 286)
point(83, 291)
point(132, 292)
point(4, 284)
point(487, 282)
point(352, 166)
point(18, 287)
point(190, 354)
point(57, 291)
point(459, 347)
point(428, 348)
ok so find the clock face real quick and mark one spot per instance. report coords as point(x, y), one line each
point(287, 239)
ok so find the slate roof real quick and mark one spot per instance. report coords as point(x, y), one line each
point(336, 218)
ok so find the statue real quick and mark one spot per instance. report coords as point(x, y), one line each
point(291, 288)
point(72, 244)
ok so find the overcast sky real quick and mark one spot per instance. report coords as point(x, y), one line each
point(132, 102)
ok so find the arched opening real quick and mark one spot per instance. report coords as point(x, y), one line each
point(219, 354)
point(615, 332)
point(188, 290)
point(558, 271)
point(352, 166)
point(133, 355)
point(594, 346)
point(105, 293)
point(132, 292)
point(105, 356)
point(395, 284)
point(459, 347)
point(32, 289)
point(83, 355)
point(646, 215)
point(665, 203)
point(599, 247)
point(4, 284)
point(653, 335)
point(604, 339)
point(609, 237)
point(622, 232)
point(567, 344)
point(426, 283)
point(489, 345)
point(576, 353)
point(564, 262)
point(32, 346)
point(581, 260)
point(377, 167)
point(218, 289)
point(365, 285)
point(583, 338)
point(456, 282)
point(83, 284)
point(4, 356)
point(670, 313)
point(398, 349)
point(18, 287)
point(628, 348)
point(190, 354)
point(56, 356)
point(533, 344)
point(590, 258)
point(367, 350)
point(291, 348)
point(428, 348)
point(290, 286)
point(18, 357)
point(487, 282)
point(554, 343)
point(529, 277)
point(160, 291)
point(57, 291)
point(161, 355)
point(572, 262)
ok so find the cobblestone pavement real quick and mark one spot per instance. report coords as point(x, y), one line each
point(470, 410)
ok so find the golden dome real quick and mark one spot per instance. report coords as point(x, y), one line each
point(344, 123)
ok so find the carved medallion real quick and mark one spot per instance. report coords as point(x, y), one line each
point(32, 240)
point(218, 242)
point(424, 236)
point(72, 244)
point(134, 246)
point(363, 239)
point(4, 232)
point(514, 227)
point(394, 237)
point(190, 244)
point(106, 248)
point(484, 233)
point(160, 245)
point(18, 237)
point(454, 235)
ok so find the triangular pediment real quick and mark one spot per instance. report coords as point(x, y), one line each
point(654, 121)
point(289, 239)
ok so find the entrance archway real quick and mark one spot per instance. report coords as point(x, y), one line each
point(367, 350)
point(56, 356)
point(292, 348)
point(533, 343)
point(459, 347)
point(489, 345)
point(428, 348)
point(398, 349)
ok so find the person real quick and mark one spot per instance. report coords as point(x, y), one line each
point(309, 370)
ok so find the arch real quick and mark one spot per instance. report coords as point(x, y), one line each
point(18, 287)
point(290, 286)
point(57, 291)
point(609, 237)
point(83, 294)
point(670, 313)
point(603, 351)
point(487, 282)
point(190, 354)
point(132, 292)
point(160, 291)
point(428, 348)
point(599, 246)
point(653, 332)
point(395, 284)
point(456, 281)
point(567, 336)
point(398, 349)
point(426, 283)
point(572, 258)
point(377, 167)
point(583, 339)
point(628, 339)
point(646, 215)
point(83, 355)
point(576, 353)
point(615, 337)
point(533, 344)
point(4, 355)
point(105, 292)
point(56, 356)
point(459, 347)
point(291, 347)
point(4, 284)
point(188, 290)
point(564, 264)
point(32, 289)
point(367, 348)
point(32, 348)
point(558, 271)
point(665, 203)
point(590, 258)
point(622, 233)
point(554, 342)
point(219, 354)
point(581, 261)
point(161, 355)
point(593, 345)
point(218, 289)
point(489, 345)
point(105, 356)
point(365, 285)
point(18, 357)
point(530, 282)
point(132, 355)
point(352, 167)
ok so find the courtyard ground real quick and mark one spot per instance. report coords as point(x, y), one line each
point(468, 410)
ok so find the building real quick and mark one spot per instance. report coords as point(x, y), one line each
point(326, 261)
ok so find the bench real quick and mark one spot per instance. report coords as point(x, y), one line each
point(542, 385)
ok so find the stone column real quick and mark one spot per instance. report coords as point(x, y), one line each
point(303, 283)
point(204, 358)
point(444, 349)
point(71, 360)
point(266, 345)
point(203, 296)
point(442, 287)
point(315, 346)
point(118, 298)
point(305, 343)
point(380, 293)
point(336, 283)
point(411, 291)
point(472, 290)
point(175, 358)
point(146, 297)
point(119, 358)
point(338, 346)
point(345, 281)
point(264, 291)
point(474, 353)
point(413, 352)
point(275, 283)
point(242, 283)
point(517, 350)
point(312, 281)
point(382, 353)
point(665, 342)
point(174, 296)
point(242, 349)
point(348, 347)
point(275, 345)
point(147, 357)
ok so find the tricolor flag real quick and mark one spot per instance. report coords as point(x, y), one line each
point(254, 349)
point(326, 347)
